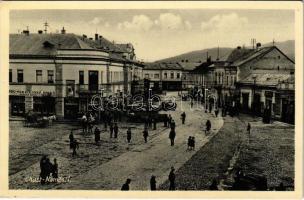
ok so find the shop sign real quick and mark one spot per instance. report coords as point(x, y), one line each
point(31, 93)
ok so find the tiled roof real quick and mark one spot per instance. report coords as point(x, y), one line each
point(265, 79)
point(188, 66)
point(237, 54)
point(163, 66)
point(202, 67)
point(252, 55)
point(124, 47)
point(33, 44)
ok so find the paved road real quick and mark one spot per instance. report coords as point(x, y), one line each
point(154, 158)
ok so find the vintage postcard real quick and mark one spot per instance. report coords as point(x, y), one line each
point(151, 99)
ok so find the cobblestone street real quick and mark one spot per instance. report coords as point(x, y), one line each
point(103, 167)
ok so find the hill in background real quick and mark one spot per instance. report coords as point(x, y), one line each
point(288, 47)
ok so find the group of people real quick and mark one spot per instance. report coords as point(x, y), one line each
point(171, 178)
point(191, 143)
point(87, 121)
point(47, 169)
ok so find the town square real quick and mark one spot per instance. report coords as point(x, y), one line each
point(152, 100)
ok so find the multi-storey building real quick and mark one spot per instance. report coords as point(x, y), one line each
point(59, 73)
point(164, 76)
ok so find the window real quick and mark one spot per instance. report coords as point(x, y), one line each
point(146, 75)
point(38, 76)
point(178, 75)
point(172, 75)
point(165, 75)
point(20, 75)
point(156, 75)
point(10, 75)
point(50, 76)
point(81, 77)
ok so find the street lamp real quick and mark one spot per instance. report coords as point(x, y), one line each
point(206, 99)
point(253, 99)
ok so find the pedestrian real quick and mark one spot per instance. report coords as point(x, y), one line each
point(71, 137)
point(111, 130)
point(115, 130)
point(183, 117)
point(97, 135)
point(145, 134)
point(43, 173)
point(172, 135)
point(55, 170)
point(129, 135)
point(126, 186)
point(48, 169)
point(191, 103)
point(248, 128)
point(150, 121)
point(189, 143)
point(154, 123)
point(84, 123)
point(75, 145)
point(208, 126)
point(216, 111)
point(90, 125)
point(172, 179)
point(153, 183)
point(172, 125)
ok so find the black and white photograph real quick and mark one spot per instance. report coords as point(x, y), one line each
point(166, 99)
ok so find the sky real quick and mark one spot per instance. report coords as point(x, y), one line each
point(162, 33)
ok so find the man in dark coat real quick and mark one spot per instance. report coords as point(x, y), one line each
point(183, 117)
point(71, 137)
point(97, 135)
point(169, 120)
point(129, 135)
point(208, 126)
point(75, 145)
point(153, 183)
point(43, 171)
point(172, 179)
point(145, 134)
point(111, 130)
point(154, 123)
point(115, 130)
point(172, 135)
point(126, 187)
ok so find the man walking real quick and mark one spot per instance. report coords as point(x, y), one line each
point(183, 117)
point(71, 137)
point(129, 135)
point(145, 134)
point(111, 130)
point(172, 136)
point(97, 135)
point(172, 179)
point(115, 130)
point(75, 145)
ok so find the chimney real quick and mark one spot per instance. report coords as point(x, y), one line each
point(239, 47)
point(90, 38)
point(96, 36)
point(84, 36)
point(40, 31)
point(63, 30)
